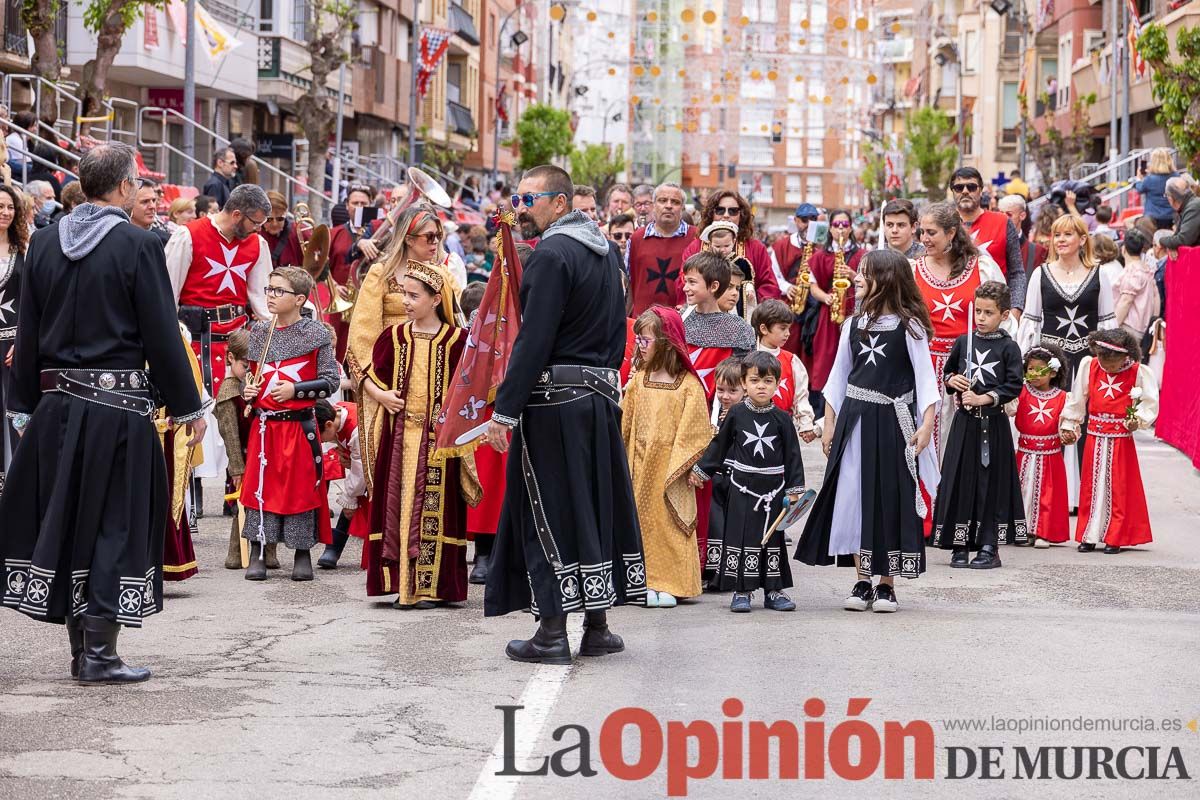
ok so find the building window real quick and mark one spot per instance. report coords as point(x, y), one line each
point(705, 163)
point(454, 81)
point(266, 15)
point(755, 151)
point(970, 52)
point(760, 89)
point(795, 190)
point(1066, 56)
point(815, 151)
point(794, 153)
point(1010, 110)
point(1012, 34)
point(300, 20)
point(812, 190)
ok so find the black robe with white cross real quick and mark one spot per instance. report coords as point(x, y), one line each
point(979, 500)
point(760, 454)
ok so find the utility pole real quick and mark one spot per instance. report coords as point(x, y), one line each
point(337, 147)
point(1126, 63)
point(415, 61)
point(1023, 21)
point(189, 97)
point(1114, 65)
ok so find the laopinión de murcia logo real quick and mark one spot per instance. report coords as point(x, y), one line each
point(633, 744)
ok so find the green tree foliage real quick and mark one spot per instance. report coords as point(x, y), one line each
point(928, 149)
point(598, 166)
point(1176, 86)
point(108, 19)
point(543, 134)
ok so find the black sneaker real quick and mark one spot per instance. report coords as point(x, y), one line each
point(885, 600)
point(778, 601)
point(741, 602)
point(861, 597)
point(959, 557)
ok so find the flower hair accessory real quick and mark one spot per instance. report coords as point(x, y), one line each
point(1054, 364)
point(1109, 346)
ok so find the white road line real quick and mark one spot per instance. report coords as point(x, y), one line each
point(538, 699)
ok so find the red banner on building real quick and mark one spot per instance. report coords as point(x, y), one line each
point(434, 43)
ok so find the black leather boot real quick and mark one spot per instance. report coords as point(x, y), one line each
point(483, 554)
point(100, 662)
point(598, 640)
point(257, 571)
point(75, 636)
point(331, 554)
point(302, 566)
point(986, 558)
point(548, 645)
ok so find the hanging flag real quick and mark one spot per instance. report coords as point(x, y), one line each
point(502, 103)
point(467, 408)
point(177, 14)
point(216, 40)
point(150, 30)
point(434, 43)
point(1045, 13)
point(1135, 31)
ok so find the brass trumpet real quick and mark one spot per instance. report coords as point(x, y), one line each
point(803, 281)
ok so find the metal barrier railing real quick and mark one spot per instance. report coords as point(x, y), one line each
point(164, 146)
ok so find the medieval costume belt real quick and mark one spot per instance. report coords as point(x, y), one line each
point(197, 318)
point(122, 389)
point(908, 429)
point(308, 423)
point(562, 383)
point(1039, 445)
point(1108, 426)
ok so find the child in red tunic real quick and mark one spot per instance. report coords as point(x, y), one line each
point(338, 423)
point(1117, 395)
point(293, 367)
point(1039, 445)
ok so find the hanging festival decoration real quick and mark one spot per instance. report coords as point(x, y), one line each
point(434, 43)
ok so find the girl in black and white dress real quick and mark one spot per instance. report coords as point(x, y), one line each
point(882, 393)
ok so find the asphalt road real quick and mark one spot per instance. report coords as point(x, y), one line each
point(292, 690)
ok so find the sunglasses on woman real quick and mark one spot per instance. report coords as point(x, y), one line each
point(840, 224)
point(431, 238)
point(529, 198)
point(726, 211)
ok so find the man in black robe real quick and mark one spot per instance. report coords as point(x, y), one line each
point(568, 538)
point(84, 508)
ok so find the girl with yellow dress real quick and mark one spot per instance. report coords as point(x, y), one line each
point(417, 546)
point(665, 426)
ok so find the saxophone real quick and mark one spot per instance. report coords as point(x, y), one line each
point(803, 281)
point(841, 284)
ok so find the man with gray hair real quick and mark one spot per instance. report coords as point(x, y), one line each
point(654, 255)
point(218, 267)
point(1187, 206)
point(84, 508)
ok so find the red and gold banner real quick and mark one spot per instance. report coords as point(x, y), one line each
point(468, 405)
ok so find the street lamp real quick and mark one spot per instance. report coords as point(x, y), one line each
point(519, 38)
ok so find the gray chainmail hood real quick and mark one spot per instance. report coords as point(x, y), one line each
point(81, 231)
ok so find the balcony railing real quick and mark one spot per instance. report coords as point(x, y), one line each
point(462, 24)
point(231, 14)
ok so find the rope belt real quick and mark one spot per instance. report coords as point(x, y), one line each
point(908, 429)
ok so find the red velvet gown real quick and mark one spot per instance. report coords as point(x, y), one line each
point(1040, 463)
point(825, 342)
point(1111, 488)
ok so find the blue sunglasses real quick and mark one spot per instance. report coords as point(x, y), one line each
point(529, 199)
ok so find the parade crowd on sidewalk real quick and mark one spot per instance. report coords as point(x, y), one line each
point(635, 378)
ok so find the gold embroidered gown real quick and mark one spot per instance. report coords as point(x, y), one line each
point(666, 428)
point(417, 546)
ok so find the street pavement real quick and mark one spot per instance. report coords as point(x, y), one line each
point(311, 690)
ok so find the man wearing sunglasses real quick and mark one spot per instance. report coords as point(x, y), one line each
point(991, 230)
point(568, 538)
point(620, 231)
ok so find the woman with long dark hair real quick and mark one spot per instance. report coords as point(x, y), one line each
point(732, 207)
point(947, 276)
point(14, 238)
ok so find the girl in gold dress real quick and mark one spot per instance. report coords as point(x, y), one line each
point(417, 547)
point(418, 236)
point(666, 428)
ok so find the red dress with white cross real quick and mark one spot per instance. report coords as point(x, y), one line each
point(1040, 463)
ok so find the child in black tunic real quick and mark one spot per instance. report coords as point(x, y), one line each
point(979, 501)
point(730, 392)
point(758, 446)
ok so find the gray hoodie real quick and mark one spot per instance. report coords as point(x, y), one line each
point(582, 229)
point(81, 231)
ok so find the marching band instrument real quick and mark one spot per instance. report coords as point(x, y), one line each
point(842, 278)
point(255, 380)
point(803, 281)
point(421, 188)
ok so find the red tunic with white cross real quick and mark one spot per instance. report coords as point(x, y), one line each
point(217, 277)
point(289, 475)
point(785, 395)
